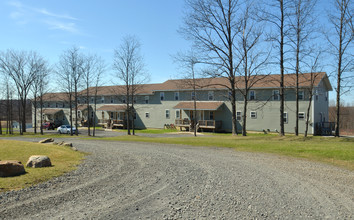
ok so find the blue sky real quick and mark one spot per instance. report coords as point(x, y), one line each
point(97, 27)
point(50, 27)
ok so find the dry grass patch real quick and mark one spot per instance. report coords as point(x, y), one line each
point(63, 160)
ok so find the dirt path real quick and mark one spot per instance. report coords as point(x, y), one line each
point(157, 181)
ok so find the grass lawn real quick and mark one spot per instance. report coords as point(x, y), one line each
point(148, 131)
point(63, 160)
point(336, 151)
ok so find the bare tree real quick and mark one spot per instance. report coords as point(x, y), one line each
point(188, 64)
point(22, 68)
point(275, 13)
point(341, 42)
point(100, 69)
point(70, 71)
point(314, 76)
point(130, 69)
point(252, 59)
point(37, 91)
point(93, 68)
point(213, 25)
point(302, 28)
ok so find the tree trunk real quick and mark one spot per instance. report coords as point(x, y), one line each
point(282, 132)
point(35, 115)
point(244, 132)
point(307, 116)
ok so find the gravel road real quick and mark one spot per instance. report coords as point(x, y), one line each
point(157, 181)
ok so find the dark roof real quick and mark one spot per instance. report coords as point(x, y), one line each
point(212, 106)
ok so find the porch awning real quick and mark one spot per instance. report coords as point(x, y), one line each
point(210, 106)
point(51, 111)
point(113, 108)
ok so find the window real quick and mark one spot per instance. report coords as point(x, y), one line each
point(112, 99)
point(178, 115)
point(238, 116)
point(211, 115)
point(56, 105)
point(102, 115)
point(79, 114)
point(211, 95)
point(302, 116)
point(123, 100)
point(176, 96)
point(301, 95)
point(78, 100)
point(253, 115)
point(252, 95)
point(92, 99)
point(276, 96)
point(112, 115)
point(326, 96)
point(162, 96)
point(102, 99)
point(48, 105)
point(63, 117)
point(147, 115)
point(92, 114)
point(193, 96)
point(285, 116)
point(167, 113)
point(134, 99)
point(146, 99)
point(134, 115)
point(230, 94)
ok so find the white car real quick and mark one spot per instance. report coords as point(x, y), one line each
point(65, 129)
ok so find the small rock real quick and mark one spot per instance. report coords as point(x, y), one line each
point(68, 144)
point(38, 161)
point(74, 148)
point(55, 143)
point(11, 168)
point(47, 140)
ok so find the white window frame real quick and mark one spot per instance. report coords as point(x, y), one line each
point(211, 95)
point(302, 96)
point(92, 100)
point(238, 117)
point(102, 99)
point(147, 114)
point(124, 100)
point(167, 113)
point(253, 114)
point(147, 99)
point(177, 114)
point(254, 95)
point(302, 117)
point(286, 118)
point(162, 96)
point(176, 96)
point(112, 99)
point(274, 95)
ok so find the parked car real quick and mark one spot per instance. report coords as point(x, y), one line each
point(65, 129)
point(48, 125)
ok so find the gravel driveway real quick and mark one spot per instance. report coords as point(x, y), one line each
point(157, 181)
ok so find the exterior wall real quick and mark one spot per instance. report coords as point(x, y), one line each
point(266, 108)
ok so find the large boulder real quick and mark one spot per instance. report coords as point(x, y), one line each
point(47, 140)
point(38, 161)
point(11, 168)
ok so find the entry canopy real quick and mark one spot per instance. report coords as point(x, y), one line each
point(113, 108)
point(51, 111)
point(208, 106)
